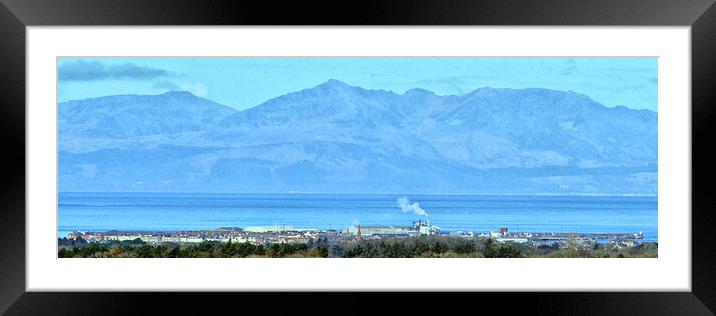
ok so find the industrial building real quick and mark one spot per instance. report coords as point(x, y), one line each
point(419, 227)
point(379, 230)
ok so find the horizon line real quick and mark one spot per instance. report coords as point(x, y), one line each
point(332, 80)
point(392, 193)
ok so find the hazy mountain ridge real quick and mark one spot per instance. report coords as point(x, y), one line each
point(139, 115)
point(339, 138)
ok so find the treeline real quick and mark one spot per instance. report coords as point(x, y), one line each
point(643, 250)
point(412, 247)
point(206, 249)
point(425, 247)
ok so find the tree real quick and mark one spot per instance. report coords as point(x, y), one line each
point(489, 249)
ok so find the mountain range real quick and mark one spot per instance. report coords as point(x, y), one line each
point(338, 138)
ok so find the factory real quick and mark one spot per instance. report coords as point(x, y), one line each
point(419, 228)
point(363, 231)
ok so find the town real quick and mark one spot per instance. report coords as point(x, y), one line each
point(282, 234)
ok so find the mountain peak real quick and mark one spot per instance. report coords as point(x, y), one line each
point(333, 83)
point(178, 93)
point(418, 92)
point(339, 138)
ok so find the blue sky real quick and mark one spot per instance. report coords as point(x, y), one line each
point(246, 82)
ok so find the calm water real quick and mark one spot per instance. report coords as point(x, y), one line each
point(163, 211)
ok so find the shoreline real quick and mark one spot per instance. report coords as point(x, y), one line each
point(239, 243)
point(289, 234)
point(378, 230)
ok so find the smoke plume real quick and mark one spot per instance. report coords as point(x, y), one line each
point(406, 206)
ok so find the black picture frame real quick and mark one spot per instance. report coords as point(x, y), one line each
point(15, 15)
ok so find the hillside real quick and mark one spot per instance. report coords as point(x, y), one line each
point(341, 138)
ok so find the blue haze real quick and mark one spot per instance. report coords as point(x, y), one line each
point(246, 82)
point(534, 144)
point(337, 138)
point(167, 212)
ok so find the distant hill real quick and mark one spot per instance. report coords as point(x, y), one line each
point(124, 116)
point(340, 138)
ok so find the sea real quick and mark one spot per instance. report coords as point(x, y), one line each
point(81, 211)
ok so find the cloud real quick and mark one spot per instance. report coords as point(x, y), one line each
point(94, 70)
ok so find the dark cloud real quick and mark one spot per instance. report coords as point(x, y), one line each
point(94, 70)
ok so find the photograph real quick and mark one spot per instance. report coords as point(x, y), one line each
point(357, 157)
point(330, 157)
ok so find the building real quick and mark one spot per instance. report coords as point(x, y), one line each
point(419, 227)
point(501, 233)
point(512, 239)
point(379, 230)
point(276, 229)
point(424, 227)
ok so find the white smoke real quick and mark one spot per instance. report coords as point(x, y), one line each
point(406, 206)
